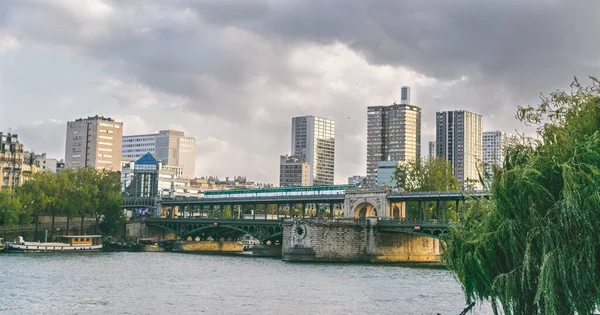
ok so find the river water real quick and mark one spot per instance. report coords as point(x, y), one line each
point(174, 283)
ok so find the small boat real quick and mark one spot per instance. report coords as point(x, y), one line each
point(75, 243)
point(148, 245)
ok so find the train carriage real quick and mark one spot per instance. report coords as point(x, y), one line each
point(277, 192)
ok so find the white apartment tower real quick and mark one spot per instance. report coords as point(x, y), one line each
point(458, 140)
point(393, 134)
point(313, 140)
point(94, 142)
point(494, 146)
point(170, 147)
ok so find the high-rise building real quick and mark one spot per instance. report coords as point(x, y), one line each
point(313, 141)
point(94, 142)
point(385, 173)
point(293, 172)
point(405, 95)
point(494, 145)
point(170, 147)
point(393, 134)
point(458, 140)
point(431, 149)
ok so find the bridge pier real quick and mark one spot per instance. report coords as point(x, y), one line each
point(355, 240)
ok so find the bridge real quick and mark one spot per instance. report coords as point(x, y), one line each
point(320, 224)
point(344, 202)
point(220, 229)
point(271, 230)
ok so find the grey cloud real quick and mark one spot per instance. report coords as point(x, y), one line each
point(231, 59)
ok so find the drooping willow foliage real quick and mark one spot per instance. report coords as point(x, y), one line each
point(534, 248)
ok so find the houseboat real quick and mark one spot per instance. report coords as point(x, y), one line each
point(69, 243)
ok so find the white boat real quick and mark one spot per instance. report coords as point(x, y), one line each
point(75, 243)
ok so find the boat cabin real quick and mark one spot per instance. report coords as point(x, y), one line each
point(81, 239)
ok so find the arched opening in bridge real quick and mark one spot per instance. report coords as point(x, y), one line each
point(364, 210)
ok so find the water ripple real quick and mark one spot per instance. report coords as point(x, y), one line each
point(161, 283)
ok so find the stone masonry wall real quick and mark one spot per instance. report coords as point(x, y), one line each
point(313, 240)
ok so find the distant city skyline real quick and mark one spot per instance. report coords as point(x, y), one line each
point(233, 78)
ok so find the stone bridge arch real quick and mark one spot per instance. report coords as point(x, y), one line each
point(362, 203)
point(364, 210)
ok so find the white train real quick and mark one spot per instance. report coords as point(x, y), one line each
point(278, 192)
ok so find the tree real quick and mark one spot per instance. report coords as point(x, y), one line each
point(534, 247)
point(52, 185)
point(108, 203)
point(10, 209)
point(34, 199)
point(433, 174)
point(86, 180)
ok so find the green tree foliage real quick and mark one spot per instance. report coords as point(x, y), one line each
point(81, 193)
point(433, 174)
point(33, 198)
point(534, 248)
point(10, 209)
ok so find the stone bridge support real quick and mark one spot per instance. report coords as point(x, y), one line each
point(354, 240)
point(363, 203)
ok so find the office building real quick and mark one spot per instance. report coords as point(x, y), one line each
point(293, 172)
point(385, 173)
point(94, 142)
point(145, 177)
point(313, 141)
point(16, 164)
point(494, 146)
point(431, 149)
point(393, 134)
point(170, 147)
point(357, 180)
point(458, 140)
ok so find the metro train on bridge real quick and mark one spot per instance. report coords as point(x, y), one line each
point(278, 192)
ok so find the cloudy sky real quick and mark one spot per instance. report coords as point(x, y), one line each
point(233, 73)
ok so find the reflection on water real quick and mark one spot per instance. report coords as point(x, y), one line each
point(162, 283)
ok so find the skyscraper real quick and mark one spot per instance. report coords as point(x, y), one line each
point(393, 134)
point(170, 147)
point(458, 140)
point(432, 149)
point(494, 145)
point(94, 142)
point(313, 140)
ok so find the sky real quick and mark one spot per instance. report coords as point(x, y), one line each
point(233, 73)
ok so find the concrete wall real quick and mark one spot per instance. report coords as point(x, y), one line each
point(347, 240)
point(139, 229)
